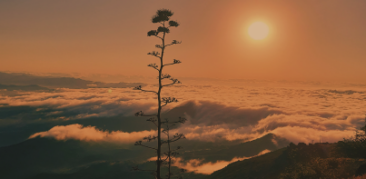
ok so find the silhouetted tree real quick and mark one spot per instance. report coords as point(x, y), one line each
point(162, 17)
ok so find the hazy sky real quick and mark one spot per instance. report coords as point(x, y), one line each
point(308, 40)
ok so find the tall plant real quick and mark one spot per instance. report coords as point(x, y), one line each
point(162, 17)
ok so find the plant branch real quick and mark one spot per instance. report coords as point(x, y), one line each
point(153, 120)
point(170, 84)
point(158, 36)
point(153, 65)
point(140, 113)
point(180, 120)
point(140, 144)
point(165, 158)
point(165, 76)
point(136, 168)
point(174, 62)
point(155, 54)
point(149, 138)
point(174, 43)
point(168, 100)
point(174, 81)
point(140, 88)
point(175, 138)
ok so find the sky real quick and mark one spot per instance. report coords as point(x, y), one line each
point(308, 40)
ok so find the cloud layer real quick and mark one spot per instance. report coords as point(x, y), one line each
point(89, 133)
point(218, 112)
point(198, 166)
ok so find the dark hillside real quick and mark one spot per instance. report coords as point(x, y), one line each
point(264, 166)
point(42, 154)
point(113, 171)
point(300, 161)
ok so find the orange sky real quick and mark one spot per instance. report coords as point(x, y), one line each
point(308, 40)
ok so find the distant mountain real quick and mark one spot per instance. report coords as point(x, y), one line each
point(56, 82)
point(24, 88)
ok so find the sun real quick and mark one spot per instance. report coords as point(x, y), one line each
point(258, 30)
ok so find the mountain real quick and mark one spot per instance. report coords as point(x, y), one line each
point(320, 160)
point(103, 170)
point(39, 155)
point(57, 82)
point(43, 158)
point(264, 166)
point(109, 170)
point(23, 88)
point(50, 158)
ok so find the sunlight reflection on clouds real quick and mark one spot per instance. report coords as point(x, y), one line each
point(198, 166)
point(223, 111)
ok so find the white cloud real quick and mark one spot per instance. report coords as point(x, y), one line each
point(222, 112)
point(198, 166)
point(89, 133)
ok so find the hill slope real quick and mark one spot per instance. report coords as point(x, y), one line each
point(44, 155)
point(302, 161)
point(50, 158)
point(247, 149)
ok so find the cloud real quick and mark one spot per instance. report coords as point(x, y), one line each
point(215, 133)
point(89, 133)
point(82, 103)
point(298, 134)
point(207, 168)
point(218, 112)
point(296, 128)
point(299, 129)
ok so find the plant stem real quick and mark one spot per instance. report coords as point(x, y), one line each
point(159, 108)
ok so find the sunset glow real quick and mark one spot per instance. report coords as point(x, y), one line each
point(190, 89)
point(258, 30)
point(95, 42)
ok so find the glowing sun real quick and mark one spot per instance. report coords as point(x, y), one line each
point(258, 30)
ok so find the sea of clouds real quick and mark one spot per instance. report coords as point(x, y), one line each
point(219, 111)
point(303, 113)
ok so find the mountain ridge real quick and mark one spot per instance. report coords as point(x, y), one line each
point(57, 82)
